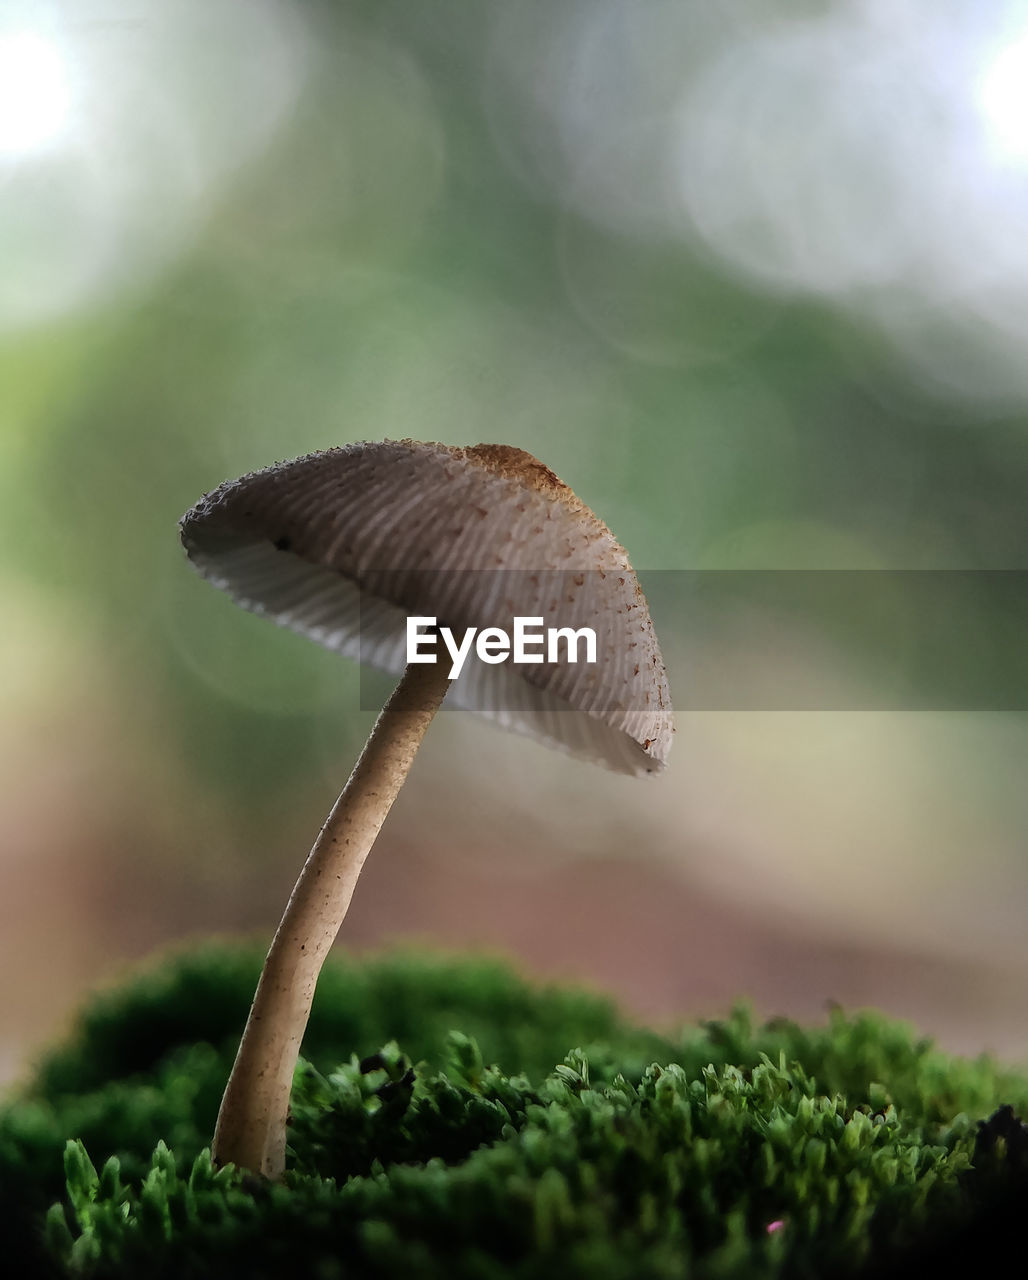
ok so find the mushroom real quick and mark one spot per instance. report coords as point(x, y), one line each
point(346, 546)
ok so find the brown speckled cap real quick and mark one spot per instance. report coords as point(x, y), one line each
point(343, 545)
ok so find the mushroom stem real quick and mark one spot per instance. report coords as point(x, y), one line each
point(251, 1128)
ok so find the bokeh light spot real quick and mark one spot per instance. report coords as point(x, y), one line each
point(1003, 96)
point(34, 93)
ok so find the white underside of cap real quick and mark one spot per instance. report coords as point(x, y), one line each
point(330, 609)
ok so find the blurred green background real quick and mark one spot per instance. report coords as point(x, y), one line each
point(753, 282)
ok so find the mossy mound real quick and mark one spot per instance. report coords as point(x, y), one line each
point(595, 1148)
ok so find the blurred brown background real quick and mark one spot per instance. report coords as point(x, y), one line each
point(755, 285)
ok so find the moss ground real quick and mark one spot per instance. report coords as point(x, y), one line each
point(451, 1120)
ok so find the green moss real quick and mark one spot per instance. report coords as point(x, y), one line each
point(630, 1156)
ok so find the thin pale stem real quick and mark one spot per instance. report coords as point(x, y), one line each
point(251, 1128)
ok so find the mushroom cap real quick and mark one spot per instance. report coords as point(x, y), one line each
point(343, 545)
